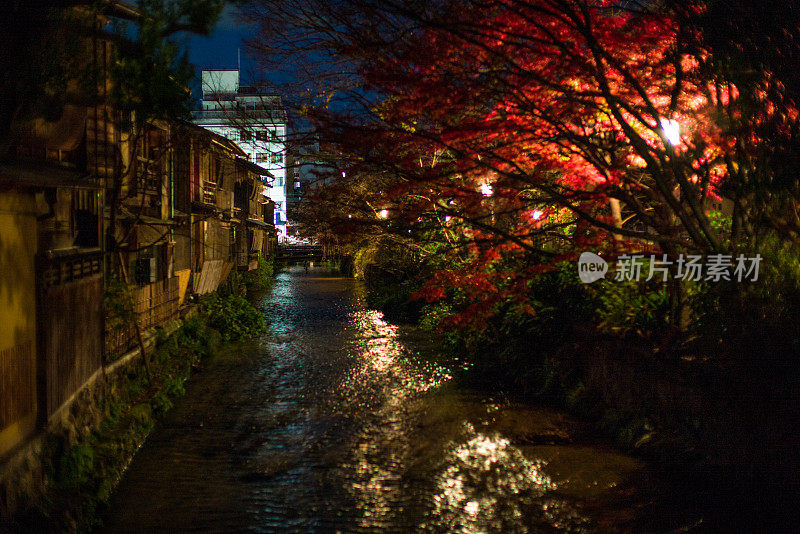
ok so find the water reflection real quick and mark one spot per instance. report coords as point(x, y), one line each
point(337, 421)
point(486, 484)
point(387, 362)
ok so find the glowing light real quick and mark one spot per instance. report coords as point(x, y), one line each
point(349, 216)
point(536, 215)
point(498, 464)
point(672, 130)
point(383, 214)
point(446, 218)
point(486, 190)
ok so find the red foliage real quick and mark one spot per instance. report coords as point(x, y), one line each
point(522, 118)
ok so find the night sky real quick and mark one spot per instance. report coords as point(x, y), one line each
point(219, 50)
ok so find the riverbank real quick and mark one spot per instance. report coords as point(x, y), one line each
point(714, 415)
point(338, 420)
point(702, 427)
point(67, 474)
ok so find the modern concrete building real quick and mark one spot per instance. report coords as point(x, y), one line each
point(305, 170)
point(256, 121)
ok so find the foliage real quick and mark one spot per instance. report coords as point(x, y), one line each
point(633, 307)
point(733, 319)
point(233, 317)
point(117, 303)
point(530, 131)
point(75, 467)
point(392, 273)
point(260, 279)
point(198, 337)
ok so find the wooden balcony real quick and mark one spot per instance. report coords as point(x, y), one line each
point(209, 194)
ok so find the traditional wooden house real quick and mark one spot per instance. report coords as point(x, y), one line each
point(51, 319)
point(168, 208)
point(141, 222)
point(254, 211)
point(222, 193)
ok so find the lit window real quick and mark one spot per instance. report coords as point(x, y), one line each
point(262, 157)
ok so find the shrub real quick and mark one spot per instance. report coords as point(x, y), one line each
point(234, 317)
point(76, 466)
point(392, 274)
point(198, 338)
point(633, 307)
point(260, 278)
point(753, 319)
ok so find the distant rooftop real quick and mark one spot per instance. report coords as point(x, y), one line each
point(223, 84)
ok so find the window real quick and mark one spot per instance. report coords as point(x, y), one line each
point(263, 135)
point(245, 135)
point(262, 157)
point(277, 158)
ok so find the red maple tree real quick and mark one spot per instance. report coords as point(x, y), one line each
point(542, 128)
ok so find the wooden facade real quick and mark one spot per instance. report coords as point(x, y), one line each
point(170, 209)
point(70, 326)
point(154, 305)
point(230, 218)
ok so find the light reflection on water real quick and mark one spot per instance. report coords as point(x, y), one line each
point(483, 472)
point(339, 422)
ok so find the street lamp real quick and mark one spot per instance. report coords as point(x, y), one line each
point(672, 130)
point(383, 213)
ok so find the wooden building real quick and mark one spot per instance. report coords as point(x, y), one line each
point(222, 193)
point(165, 208)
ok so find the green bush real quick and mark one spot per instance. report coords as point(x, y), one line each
point(392, 273)
point(755, 318)
point(260, 278)
point(76, 466)
point(234, 317)
point(633, 307)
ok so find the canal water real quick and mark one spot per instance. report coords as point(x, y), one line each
point(339, 421)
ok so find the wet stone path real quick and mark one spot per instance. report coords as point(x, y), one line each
point(337, 421)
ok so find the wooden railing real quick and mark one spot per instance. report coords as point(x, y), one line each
point(209, 192)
